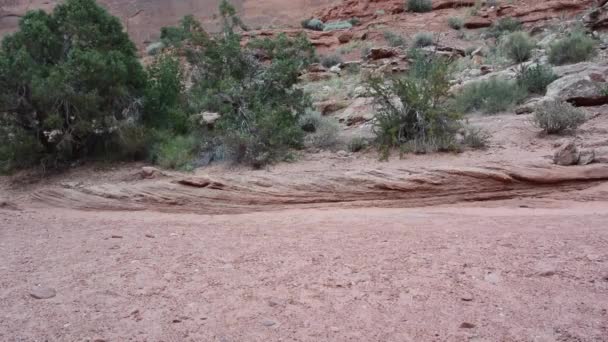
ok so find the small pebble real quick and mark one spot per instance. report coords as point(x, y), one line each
point(43, 292)
point(467, 325)
point(268, 323)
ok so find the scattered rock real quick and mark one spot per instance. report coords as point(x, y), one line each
point(268, 323)
point(567, 154)
point(150, 236)
point(316, 76)
point(478, 52)
point(467, 297)
point(382, 53)
point(149, 172)
point(467, 325)
point(116, 236)
point(342, 154)
point(597, 18)
point(345, 37)
point(42, 292)
point(316, 67)
point(485, 69)
point(586, 157)
point(210, 118)
point(335, 69)
point(330, 106)
point(476, 22)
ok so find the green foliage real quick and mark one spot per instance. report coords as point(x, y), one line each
point(576, 47)
point(322, 131)
point(357, 144)
point(154, 48)
point(331, 60)
point(313, 24)
point(338, 25)
point(423, 39)
point(412, 111)
point(257, 100)
point(67, 81)
point(394, 39)
point(188, 29)
point(455, 23)
point(489, 96)
point(557, 116)
point(535, 79)
point(175, 152)
point(354, 21)
point(503, 26)
point(518, 46)
point(163, 97)
point(475, 138)
point(419, 6)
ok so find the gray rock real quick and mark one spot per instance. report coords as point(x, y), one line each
point(586, 157)
point(567, 154)
point(582, 84)
point(42, 292)
point(268, 323)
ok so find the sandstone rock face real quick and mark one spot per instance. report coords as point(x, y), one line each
point(583, 84)
point(567, 154)
point(144, 18)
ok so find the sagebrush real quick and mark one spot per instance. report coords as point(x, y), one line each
point(557, 116)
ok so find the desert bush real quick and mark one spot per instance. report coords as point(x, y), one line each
point(338, 25)
point(535, 79)
point(394, 39)
point(313, 24)
point(423, 39)
point(489, 96)
point(257, 100)
point(154, 48)
point(175, 152)
point(68, 80)
point(322, 132)
point(354, 21)
point(187, 29)
point(504, 26)
point(557, 116)
point(412, 111)
point(475, 137)
point(455, 23)
point(518, 46)
point(576, 47)
point(329, 61)
point(357, 144)
point(419, 6)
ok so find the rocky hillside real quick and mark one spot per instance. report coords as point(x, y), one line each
point(143, 18)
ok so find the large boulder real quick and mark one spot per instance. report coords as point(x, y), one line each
point(566, 154)
point(359, 111)
point(583, 84)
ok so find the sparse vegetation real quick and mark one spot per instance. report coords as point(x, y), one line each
point(423, 39)
point(536, 78)
point(337, 25)
point(419, 6)
point(475, 137)
point(456, 23)
point(576, 47)
point(557, 117)
point(412, 112)
point(504, 26)
point(154, 48)
point(490, 96)
point(322, 132)
point(394, 39)
point(313, 24)
point(354, 21)
point(357, 144)
point(330, 60)
point(175, 152)
point(518, 46)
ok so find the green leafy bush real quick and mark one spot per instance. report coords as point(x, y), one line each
point(536, 78)
point(423, 39)
point(412, 112)
point(557, 116)
point(518, 46)
point(331, 60)
point(503, 26)
point(322, 131)
point(68, 80)
point(394, 39)
point(455, 23)
point(154, 48)
point(576, 47)
point(257, 100)
point(338, 25)
point(313, 24)
point(175, 152)
point(419, 6)
point(489, 96)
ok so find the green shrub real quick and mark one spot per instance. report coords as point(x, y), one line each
point(412, 111)
point(331, 60)
point(322, 131)
point(188, 29)
point(475, 138)
point(154, 48)
point(394, 39)
point(556, 117)
point(338, 25)
point(357, 144)
point(577, 47)
point(257, 100)
point(176, 152)
point(68, 80)
point(490, 96)
point(503, 26)
point(354, 21)
point(518, 46)
point(535, 79)
point(423, 39)
point(313, 24)
point(455, 23)
point(419, 6)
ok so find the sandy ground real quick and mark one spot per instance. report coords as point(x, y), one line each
point(442, 248)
